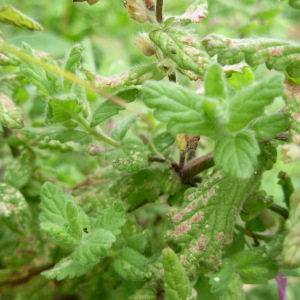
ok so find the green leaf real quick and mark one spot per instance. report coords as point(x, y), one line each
point(241, 80)
point(122, 127)
point(144, 294)
point(61, 218)
point(287, 186)
point(108, 109)
point(163, 141)
point(10, 15)
point(130, 157)
point(62, 108)
point(183, 110)
point(250, 102)
point(66, 135)
point(177, 284)
point(236, 155)
point(294, 4)
point(235, 289)
point(215, 83)
point(20, 170)
point(132, 265)
point(111, 218)
point(11, 116)
point(268, 127)
point(182, 47)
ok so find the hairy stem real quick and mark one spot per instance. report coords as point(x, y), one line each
point(159, 10)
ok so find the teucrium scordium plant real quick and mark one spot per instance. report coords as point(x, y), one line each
point(146, 184)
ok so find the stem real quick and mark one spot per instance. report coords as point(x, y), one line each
point(159, 10)
point(279, 210)
point(182, 159)
point(257, 235)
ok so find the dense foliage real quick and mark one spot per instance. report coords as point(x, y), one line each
point(161, 164)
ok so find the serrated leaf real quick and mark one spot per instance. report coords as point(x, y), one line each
point(237, 155)
point(268, 127)
point(130, 157)
point(61, 218)
point(122, 127)
point(62, 108)
point(183, 110)
point(177, 284)
point(279, 55)
point(11, 116)
point(132, 265)
point(111, 218)
point(215, 83)
point(250, 102)
point(134, 76)
point(203, 224)
point(10, 15)
point(66, 268)
point(182, 47)
point(241, 80)
point(108, 109)
point(20, 170)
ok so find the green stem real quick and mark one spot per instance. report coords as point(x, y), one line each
point(257, 235)
point(279, 210)
point(159, 11)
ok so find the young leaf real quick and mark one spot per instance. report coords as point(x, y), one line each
point(268, 127)
point(182, 110)
point(20, 170)
point(130, 157)
point(10, 15)
point(237, 155)
point(11, 116)
point(241, 80)
point(108, 109)
point(194, 13)
point(215, 82)
point(132, 265)
point(61, 218)
point(182, 47)
point(177, 284)
point(122, 127)
point(250, 102)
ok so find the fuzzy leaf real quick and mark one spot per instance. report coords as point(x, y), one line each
point(241, 80)
point(237, 155)
point(122, 127)
point(182, 110)
point(215, 82)
point(268, 127)
point(20, 170)
point(177, 284)
point(279, 55)
point(132, 265)
point(61, 218)
point(250, 102)
point(108, 109)
point(194, 13)
point(10, 15)
point(11, 116)
point(182, 47)
point(144, 294)
point(130, 157)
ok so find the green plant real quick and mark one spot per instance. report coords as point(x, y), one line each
point(101, 196)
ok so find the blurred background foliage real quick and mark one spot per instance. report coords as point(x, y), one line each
point(107, 35)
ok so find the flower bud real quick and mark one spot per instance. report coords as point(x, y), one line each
point(145, 44)
point(136, 11)
point(93, 149)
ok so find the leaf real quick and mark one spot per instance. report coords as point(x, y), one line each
point(268, 127)
point(130, 157)
point(241, 80)
point(279, 55)
point(12, 202)
point(62, 108)
point(182, 110)
point(287, 186)
point(108, 109)
point(65, 135)
point(132, 265)
point(134, 76)
point(163, 141)
point(11, 116)
point(235, 289)
point(112, 218)
point(237, 155)
point(249, 103)
point(194, 13)
point(20, 170)
point(215, 83)
point(294, 4)
point(61, 218)
point(182, 47)
point(177, 284)
point(10, 15)
point(203, 225)
point(144, 294)
point(122, 127)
